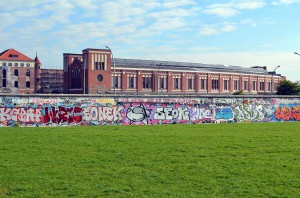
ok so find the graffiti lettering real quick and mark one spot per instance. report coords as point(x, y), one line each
point(100, 114)
point(169, 113)
point(249, 113)
point(201, 114)
point(62, 114)
point(286, 113)
point(20, 115)
point(224, 113)
point(56, 111)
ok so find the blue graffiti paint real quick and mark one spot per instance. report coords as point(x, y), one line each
point(224, 113)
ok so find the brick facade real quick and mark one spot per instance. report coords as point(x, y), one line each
point(19, 73)
point(180, 77)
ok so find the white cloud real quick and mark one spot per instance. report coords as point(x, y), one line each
point(249, 21)
point(222, 11)
point(285, 2)
point(248, 5)
point(19, 4)
point(233, 8)
point(207, 30)
point(177, 3)
point(228, 28)
point(204, 49)
point(179, 12)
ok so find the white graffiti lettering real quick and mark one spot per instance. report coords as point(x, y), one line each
point(249, 113)
point(103, 113)
point(168, 113)
point(20, 114)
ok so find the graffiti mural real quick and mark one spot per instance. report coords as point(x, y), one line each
point(137, 114)
point(77, 111)
point(287, 113)
point(249, 113)
point(224, 114)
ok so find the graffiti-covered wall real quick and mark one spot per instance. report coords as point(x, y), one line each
point(92, 110)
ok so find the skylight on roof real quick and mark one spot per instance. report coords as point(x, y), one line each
point(14, 55)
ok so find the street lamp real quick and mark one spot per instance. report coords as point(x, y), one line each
point(114, 76)
point(274, 71)
point(297, 53)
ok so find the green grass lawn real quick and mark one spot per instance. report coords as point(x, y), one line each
point(213, 160)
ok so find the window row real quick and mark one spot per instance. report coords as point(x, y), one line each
point(99, 61)
point(16, 83)
point(16, 73)
point(15, 64)
point(147, 83)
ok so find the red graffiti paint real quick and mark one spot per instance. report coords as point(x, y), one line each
point(287, 113)
point(62, 114)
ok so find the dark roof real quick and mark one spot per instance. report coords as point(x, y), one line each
point(185, 66)
point(37, 60)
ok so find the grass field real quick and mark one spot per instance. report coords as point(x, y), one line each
point(222, 160)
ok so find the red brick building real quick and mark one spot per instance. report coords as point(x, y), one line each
point(95, 71)
point(19, 73)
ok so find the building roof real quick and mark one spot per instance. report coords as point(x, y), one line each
point(37, 61)
point(184, 66)
point(14, 55)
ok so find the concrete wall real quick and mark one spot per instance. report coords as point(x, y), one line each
point(62, 110)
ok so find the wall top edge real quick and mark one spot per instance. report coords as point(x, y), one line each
point(149, 96)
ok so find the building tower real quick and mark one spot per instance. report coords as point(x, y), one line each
point(97, 70)
point(37, 72)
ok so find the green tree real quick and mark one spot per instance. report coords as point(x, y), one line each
point(287, 87)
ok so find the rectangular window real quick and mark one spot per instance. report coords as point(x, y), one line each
point(236, 85)
point(147, 82)
point(22, 64)
point(4, 83)
point(203, 84)
point(16, 64)
point(27, 64)
point(262, 86)
point(190, 83)
point(176, 83)
point(4, 64)
point(27, 84)
point(16, 84)
point(162, 82)
point(131, 82)
point(254, 85)
point(10, 64)
point(116, 82)
point(14, 55)
point(226, 85)
point(246, 86)
point(215, 85)
point(269, 86)
point(275, 86)
point(99, 66)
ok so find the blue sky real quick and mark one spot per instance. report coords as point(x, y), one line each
point(230, 32)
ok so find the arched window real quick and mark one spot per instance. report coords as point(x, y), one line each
point(16, 84)
point(27, 84)
point(76, 78)
point(16, 72)
point(27, 72)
